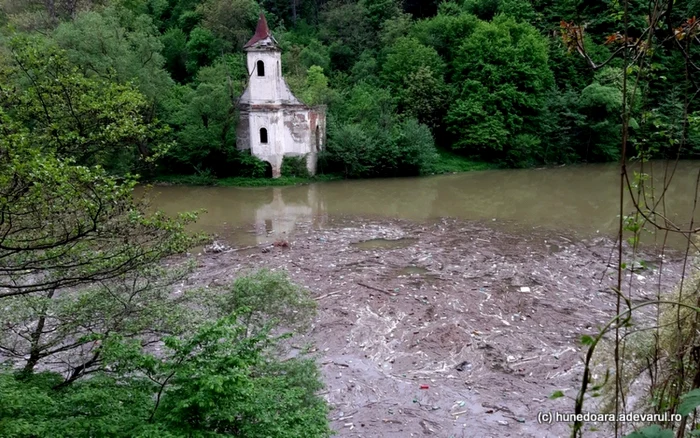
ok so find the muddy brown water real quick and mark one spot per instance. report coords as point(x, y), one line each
point(582, 200)
point(452, 329)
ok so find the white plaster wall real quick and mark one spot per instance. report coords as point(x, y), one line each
point(289, 132)
point(264, 89)
point(297, 133)
point(271, 88)
point(273, 150)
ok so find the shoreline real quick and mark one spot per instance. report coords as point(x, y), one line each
point(447, 163)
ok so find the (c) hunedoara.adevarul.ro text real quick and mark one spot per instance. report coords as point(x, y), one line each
point(564, 417)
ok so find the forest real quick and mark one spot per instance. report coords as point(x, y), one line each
point(104, 329)
point(411, 87)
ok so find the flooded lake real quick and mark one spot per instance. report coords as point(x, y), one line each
point(582, 200)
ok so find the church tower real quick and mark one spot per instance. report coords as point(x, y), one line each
point(273, 123)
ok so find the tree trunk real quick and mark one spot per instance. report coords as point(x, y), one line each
point(72, 8)
point(80, 370)
point(51, 10)
point(35, 347)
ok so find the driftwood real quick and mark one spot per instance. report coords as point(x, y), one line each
point(326, 295)
point(376, 288)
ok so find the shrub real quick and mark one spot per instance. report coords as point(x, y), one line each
point(417, 146)
point(295, 166)
point(249, 166)
point(359, 151)
point(221, 375)
point(347, 150)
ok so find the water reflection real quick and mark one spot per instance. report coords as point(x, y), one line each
point(580, 199)
point(288, 208)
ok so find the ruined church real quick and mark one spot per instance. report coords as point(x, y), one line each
point(273, 123)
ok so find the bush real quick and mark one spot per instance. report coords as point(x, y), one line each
point(347, 150)
point(222, 376)
point(249, 166)
point(219, 383)
point(360, 151)
point(417, 154)
point(295, 166)
point(204, 178)
point(525, 151)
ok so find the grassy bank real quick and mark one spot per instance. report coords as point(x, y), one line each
point(206, 180)
point(447, 162)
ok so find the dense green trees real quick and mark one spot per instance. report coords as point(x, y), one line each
point(203, 119)
point(503, 72)
point(95, 339)
point(218, 381)
point(94, 91)
point(491, 79)
point(84, 292)
point(119, 44)
point(91, 119)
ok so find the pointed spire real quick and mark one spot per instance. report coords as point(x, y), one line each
point(261, 31)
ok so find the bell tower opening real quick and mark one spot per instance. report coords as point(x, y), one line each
point(261, 68)
point(263, 135)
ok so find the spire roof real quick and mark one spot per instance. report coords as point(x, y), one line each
point(262, 31)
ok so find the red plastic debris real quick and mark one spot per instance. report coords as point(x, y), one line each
point(424, 387)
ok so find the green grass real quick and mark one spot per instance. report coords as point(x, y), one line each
point(449, 162)
point(281, 181)
point(206, 180)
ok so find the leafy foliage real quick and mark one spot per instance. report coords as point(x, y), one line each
point(217, 382)
point(653, 431)
point(91, 120)
point(203, 117)
point(690, 402)
point(229, 20)
point(408, 55)
point(295, 167)
point(118, 44)
point(491, 79)
point(316, 90)
point(504, 74)
point(67, 225)
point(407, 149)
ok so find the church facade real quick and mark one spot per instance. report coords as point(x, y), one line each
point(273, 123)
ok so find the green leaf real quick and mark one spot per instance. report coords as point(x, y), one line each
point(556, 394)
point(654, 431)
point(587, 339)
point(689, 402)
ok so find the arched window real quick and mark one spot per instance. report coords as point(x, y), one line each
point(263, 135)
point(261, 68)
point(318, 139)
